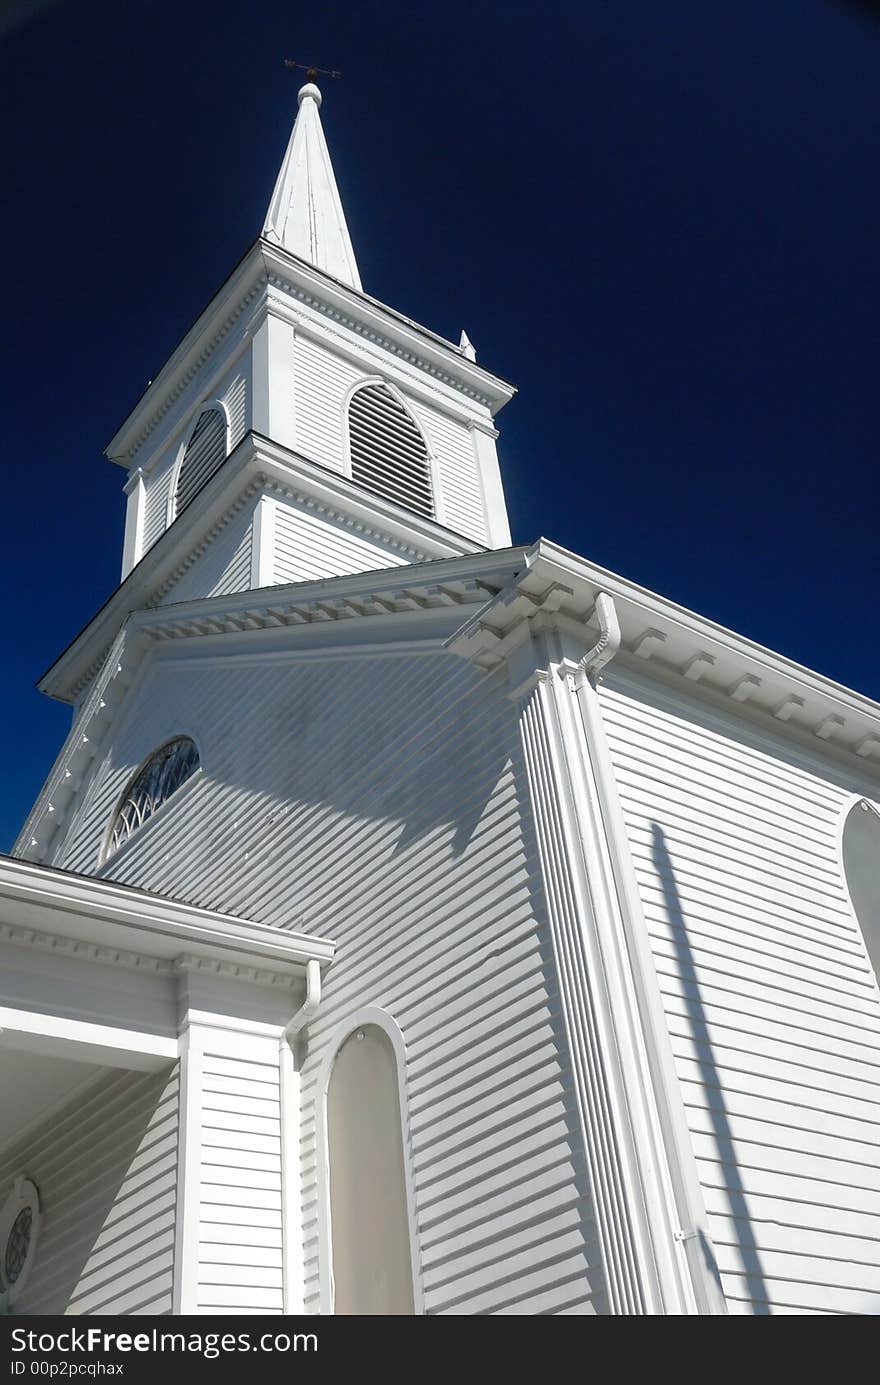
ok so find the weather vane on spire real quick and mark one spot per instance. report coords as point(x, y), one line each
point(311, 71)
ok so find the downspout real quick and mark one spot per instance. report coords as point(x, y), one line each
point(606, 646)
point(692, 1230)
point(291, 1200)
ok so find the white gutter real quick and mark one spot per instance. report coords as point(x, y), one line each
point(291, 1187)
point(692, 1229)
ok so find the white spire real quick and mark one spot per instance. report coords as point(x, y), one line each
point(305, 215)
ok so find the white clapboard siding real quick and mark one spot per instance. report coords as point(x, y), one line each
point(224, 565)
point(158, 485)
point(461, 493)
point(772, 1008)
point(234, 394)
point(321, 381)
point(308, 545)
point(380, 801)
point(240, 1173)
point(106, 1170)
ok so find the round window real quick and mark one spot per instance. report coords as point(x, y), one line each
point(19, 1224)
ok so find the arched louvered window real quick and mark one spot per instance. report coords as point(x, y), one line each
point(388, 453)
point(205, 452)
point(157, 779)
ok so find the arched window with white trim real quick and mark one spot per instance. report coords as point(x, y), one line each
point(861, 867)
point(369, 1211)
point(160, 776)
point(203, 454)
point(387, 451)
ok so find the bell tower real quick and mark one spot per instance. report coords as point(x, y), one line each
point(302, 429)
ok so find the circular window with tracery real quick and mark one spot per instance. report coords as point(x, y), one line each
point(19, 1225)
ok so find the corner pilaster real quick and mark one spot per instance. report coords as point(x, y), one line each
point(133, 542)
point(645, 1226)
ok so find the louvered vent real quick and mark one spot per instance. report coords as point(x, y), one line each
point(388, 453)
point(205, 452)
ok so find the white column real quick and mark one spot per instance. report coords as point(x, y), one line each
point(239, 1230)
point(272, 408)
point(680, 1197)
point(132, 545)
point(483, 436)
point(651, 1218)
point(263, 543)
point(634, 1206)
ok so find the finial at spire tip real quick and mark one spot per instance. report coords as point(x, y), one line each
point(311, 92)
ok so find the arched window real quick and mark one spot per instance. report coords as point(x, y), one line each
point(388, 453)
point(157, 779)
point(369, 1219)
point(204, 453)
point(861, 866)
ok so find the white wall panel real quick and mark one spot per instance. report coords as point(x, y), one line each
point(320, 382)
point(158, 484)
point(772, 1007)
point(461, 498)
point(379, 801)
point(224, 566)
point(233, 393)
point(232, 390)
point(106, 1170)
point(239, 1252)
point(308, 545)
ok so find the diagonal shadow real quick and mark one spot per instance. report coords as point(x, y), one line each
point(718, 1115)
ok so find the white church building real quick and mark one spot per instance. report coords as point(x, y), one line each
point(413, 922)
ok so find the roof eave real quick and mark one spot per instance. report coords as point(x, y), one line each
point(261, 259)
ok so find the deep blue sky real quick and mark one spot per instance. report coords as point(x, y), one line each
point(660, 220)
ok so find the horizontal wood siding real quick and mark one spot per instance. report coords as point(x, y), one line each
point(240, 1191)
point(234, 394)
point(460, 504)
point(309, 546)
point(382, 801)
point(772, 1007)
point(224, 566)
point(156, 504)
point(321, 380)
point(106, 1171)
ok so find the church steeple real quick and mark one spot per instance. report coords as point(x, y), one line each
point(305, 214)
point(301, 429)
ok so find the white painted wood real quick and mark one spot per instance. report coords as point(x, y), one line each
point(262, 572)
point(135, 508)
point(308, 545)
point(322, 380)
point(106, 1170)
point(436, 900)
point(225, 565)
point(223, 1178)
point(497, 525)
point(305, 213)
point(272, 410)
point(772, 1009)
